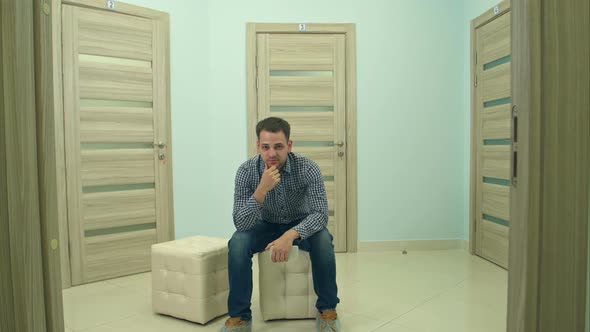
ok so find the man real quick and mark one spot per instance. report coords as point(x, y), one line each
point(280, 201)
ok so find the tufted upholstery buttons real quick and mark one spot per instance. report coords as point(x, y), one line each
point(286, 289)
point(189, 278)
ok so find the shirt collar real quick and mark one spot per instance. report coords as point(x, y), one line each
point(287, 166)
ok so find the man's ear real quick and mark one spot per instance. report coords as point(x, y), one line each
point(290, 145)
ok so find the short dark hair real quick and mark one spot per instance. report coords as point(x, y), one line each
point(274, 125)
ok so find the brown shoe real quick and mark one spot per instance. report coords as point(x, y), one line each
point(328, 321)
point(236, 324)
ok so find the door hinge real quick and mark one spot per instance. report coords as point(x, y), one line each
point(475, 80)
point(256, 60)
point(257, 79)
point(475, 57)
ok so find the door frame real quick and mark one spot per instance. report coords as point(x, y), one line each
point(547, 292)
point(34, 301)
point(484, 18)
point(349, 31)
point(51, 137)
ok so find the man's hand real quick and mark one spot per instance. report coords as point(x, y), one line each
point(282, 246)
point(270, 178)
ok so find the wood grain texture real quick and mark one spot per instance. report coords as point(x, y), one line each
point(310, 89)
point(340, 211)
point(121, 36)
point(495, 82)
point(495, 161)
point(51, 169)
point(310, 126)
point(495, 201)
point(351, 142)
point(495, 242)
point(565, 105)
point(251, 87)
point(525, 226)
point(496, 122)
point(301, 91)
point(116, 124)
point(117, 209)
point(21, 192)
point(259, 102)
point(474, 145)
point(496, 40)
point(59, 142)
point(115, 82)
point(489, 14)
point(322, 155)
point(311, 27)
point(490, 39)
point(7, 316)
point(547, 285)
point(120, 7)
point(116, 72)
point(71, 105)
point(132, 256)
point(117, 167)
point(300, 52)
point(163, 126)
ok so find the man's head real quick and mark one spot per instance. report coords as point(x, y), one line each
point(273, 142)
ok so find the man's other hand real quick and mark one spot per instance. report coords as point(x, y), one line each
point(282, 246)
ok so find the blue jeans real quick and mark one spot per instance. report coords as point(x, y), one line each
point(243, 246)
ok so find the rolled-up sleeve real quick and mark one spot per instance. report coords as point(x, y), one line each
point(246, 208)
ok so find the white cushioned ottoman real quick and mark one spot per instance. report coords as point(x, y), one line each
point(189, 278)
point(286, 289)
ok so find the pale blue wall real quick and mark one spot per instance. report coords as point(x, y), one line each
point(413, 125)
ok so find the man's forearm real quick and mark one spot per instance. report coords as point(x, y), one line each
point(312, 224)
point(260, 195)
point(291, 235)
point(245, 216)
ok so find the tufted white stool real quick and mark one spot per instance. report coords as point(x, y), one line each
point(286, 289)
point(189, 278)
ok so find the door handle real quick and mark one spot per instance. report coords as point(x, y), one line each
point(514, 148)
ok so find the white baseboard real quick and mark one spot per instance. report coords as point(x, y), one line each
point(398, 245)
point(465, 245)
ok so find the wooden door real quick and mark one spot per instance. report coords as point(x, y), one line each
point(116, 138)
point(302, 79)
point(492, 116)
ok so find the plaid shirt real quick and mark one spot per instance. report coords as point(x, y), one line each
point(300, 196)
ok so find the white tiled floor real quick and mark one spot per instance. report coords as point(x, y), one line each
point(423, 291)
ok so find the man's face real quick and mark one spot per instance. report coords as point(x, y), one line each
point(273, 147)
